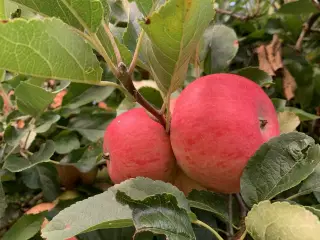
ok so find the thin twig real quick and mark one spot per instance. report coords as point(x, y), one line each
point(230, 212)
point(113, 43)
point(306, 28)
point(236, 16)
point(136, 53)
point(243, 207)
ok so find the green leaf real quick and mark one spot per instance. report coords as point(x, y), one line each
point(73, 12)
point(59, 58)
point(18, 164)
point(25, 228)
point(133, 29)
point(3, 202)
point(87, 216)
point(278, 165)
point(288, 121)
point(12, 136)
point(312, 183)
point(45, 122)
point(32, 100)
point(145, 6)
point(139, 188)
point(211, 202)
point(91, 126)
point(282, 221)
point(298, 7)
point(66, 141)
point(279, 104)
point(304, 116)
point(150, 91)
point(174, 32)
point(255, 74)
point(84, 159)
point(45, 177)
point(159, 214)
point(222, 46)
point(94, 93)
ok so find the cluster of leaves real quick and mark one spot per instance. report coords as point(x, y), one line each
point(66, 71)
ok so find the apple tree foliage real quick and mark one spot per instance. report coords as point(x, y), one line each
point(66, 70)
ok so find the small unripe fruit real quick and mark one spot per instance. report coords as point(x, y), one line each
point(218, 123)
point(138, 146)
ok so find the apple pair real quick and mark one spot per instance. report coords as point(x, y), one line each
point(218, 123)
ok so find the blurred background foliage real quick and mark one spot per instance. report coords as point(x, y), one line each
point(274, 43)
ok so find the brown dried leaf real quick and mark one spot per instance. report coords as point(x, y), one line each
point(264, 64)
point(274, 53)
point(289, 84)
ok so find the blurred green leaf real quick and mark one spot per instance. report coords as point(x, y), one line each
point(91, 94)
point(298, 7)
point(43, 176)
point(31, 99)
point(255, 74)
point(25, 228)
point(18, 164)
point(3, 202)
point(91, 126)
point(282, 221)
point(304, 116)
point(45, 121)
point(66, 141)
point(159, 214)
point(278, 165)
point(12, 136)
point(84, 158)
point(312, 183)
point(211, 202)
point(150, 91)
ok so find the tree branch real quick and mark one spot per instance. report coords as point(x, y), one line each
point(306, 29)
point(316, 3)
point(126, 80)
point(241, 17)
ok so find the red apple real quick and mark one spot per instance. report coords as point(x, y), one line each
point(218, 123)
point(138, 146)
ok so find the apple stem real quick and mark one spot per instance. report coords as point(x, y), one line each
point(126, 79)
point(230, 227)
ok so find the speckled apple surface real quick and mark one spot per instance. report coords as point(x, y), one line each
point(218, 123)
point(138, 146)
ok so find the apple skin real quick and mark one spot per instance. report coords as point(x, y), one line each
point(41, 208)
point(138, 146)
point(215, 129)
